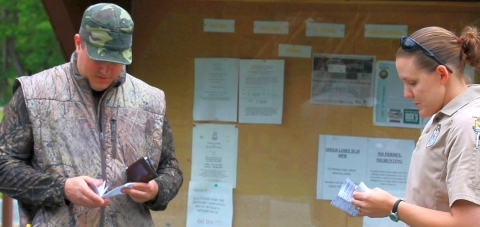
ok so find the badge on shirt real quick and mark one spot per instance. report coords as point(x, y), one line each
point(476, 129)
point(433, 139)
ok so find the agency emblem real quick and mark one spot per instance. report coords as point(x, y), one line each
point(433, 139)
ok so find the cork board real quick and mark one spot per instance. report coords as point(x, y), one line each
point(277, 164)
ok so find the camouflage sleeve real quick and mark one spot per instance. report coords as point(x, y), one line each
point(170, 176)
point(18, 179)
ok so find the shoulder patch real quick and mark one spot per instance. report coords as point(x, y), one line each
point(476, 129)
point(433, 139)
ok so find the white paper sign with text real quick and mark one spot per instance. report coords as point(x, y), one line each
point(209, 204)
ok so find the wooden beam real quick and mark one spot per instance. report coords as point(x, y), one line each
point(65, 17)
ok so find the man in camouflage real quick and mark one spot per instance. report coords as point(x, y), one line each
point(83, 123)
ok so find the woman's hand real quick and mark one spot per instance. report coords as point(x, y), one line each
point(375, 204)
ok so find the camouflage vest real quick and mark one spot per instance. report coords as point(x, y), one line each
point(71, 139)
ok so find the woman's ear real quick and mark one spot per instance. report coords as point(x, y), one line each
point(444, 73)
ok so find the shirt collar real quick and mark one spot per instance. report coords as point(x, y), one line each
point(471, 93)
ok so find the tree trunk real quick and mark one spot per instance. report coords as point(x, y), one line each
point(4, 56)
point(3, 79)
point(4, 42)
point(12, 54)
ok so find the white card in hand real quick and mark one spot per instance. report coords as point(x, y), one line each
point(102, 189)
point(345, 196)
point(117, 190)
point(362, 187)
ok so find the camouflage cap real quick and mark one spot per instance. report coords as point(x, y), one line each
point(107, 30)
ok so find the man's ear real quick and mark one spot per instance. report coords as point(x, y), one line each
point(77, 41)
point(444, 74)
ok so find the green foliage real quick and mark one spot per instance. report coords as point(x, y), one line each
point(35, 43)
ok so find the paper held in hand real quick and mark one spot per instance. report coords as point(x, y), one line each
point(345, 196)
point(102, 189)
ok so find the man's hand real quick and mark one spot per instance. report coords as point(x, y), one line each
point(142, 192)
point(79, 193)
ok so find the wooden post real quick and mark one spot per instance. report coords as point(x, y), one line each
point(7, 215)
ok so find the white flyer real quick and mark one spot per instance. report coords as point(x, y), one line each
point(261, 91)
point(209, 204)
point(379, 162)
point(214, 153)
point(391, 108)
point(339, 157)
point(342, 79)
point(216, 89)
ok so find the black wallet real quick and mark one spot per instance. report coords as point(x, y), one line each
point(141, 171)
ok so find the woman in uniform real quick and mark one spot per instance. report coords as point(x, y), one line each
point(443, 186)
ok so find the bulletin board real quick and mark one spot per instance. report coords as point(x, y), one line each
point(277, 164)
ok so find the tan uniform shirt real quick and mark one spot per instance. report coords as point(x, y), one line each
point(445, 164)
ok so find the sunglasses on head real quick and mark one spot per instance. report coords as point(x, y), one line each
point(408, 43)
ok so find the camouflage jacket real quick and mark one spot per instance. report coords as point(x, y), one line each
point(51, 131)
